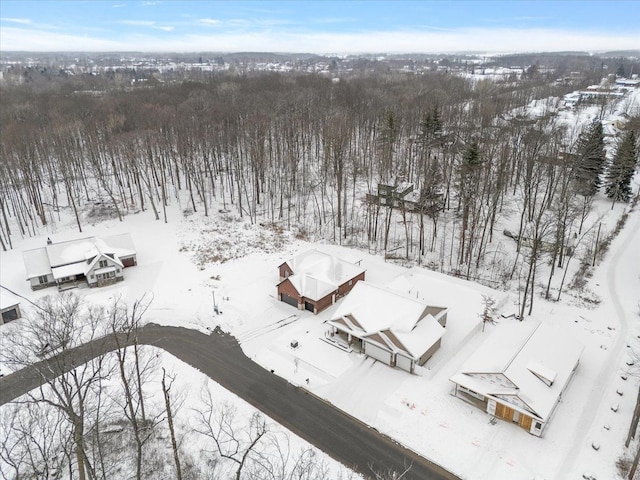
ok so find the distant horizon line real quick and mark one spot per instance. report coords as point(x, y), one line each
point(328, 54)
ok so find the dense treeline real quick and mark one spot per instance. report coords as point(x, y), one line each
point(301, 150)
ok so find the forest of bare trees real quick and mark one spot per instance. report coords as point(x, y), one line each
point(301, 151)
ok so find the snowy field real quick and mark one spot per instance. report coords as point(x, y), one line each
point(176, 265)
point(204, 272)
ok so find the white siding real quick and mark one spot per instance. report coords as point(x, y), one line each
point(404, 363)
point(491, 407)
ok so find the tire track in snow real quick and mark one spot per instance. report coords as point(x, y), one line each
point(604, 381)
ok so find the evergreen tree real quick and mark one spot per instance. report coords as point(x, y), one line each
point(431, 193)
point(590, 159)
point(430, 126)
point(618, 180)
point(471, 160)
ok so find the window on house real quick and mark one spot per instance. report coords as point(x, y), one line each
point(538, 425)
point(350, 282)
point(104, 264)
point(42, 279)
point(105, 276)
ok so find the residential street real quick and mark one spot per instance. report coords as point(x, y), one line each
point(219, 357)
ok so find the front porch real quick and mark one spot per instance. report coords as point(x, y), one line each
point(470, 397)
point(341, 337)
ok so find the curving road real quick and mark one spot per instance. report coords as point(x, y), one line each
point(219, 356)
point(621, 269)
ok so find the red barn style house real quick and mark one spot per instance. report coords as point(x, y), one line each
point(314, 280)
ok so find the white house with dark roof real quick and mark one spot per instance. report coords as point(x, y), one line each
point(520, 373)
point(98, 261)
point(395, 329)
point(314, 280)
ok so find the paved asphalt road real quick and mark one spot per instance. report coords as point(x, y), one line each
point(219, 356)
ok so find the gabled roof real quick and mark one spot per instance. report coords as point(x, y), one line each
point(309, 286)
point(317, 274)
point(425, 334)
point(71, 251)
point(81, 249)
point(121, 245)
point(97, 255)
point(8, 299)
point(36, 262)
point(537, 359)
point(399, 323)
point(377, 308)
point(63, 259)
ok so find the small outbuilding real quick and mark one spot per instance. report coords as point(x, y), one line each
point(9, 307)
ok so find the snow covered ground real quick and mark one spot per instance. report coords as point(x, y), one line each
point(203, 272)
point(417, 410)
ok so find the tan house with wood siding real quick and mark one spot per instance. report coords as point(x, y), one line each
point(520, 373)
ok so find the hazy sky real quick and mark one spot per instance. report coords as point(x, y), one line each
point(319, 26)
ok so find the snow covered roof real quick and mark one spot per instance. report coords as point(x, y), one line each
point(70, 257)
point(386, 317)
point(68, 270)
point(422, 337)
point(81, 249)
point(311, 287)
point(121, 245)
point(36, 262)
point(105, 270)
point(71, 251)
point(8, 299)
point(538, 359)
point(439, 290)
point(316, 274)
point(377, 308)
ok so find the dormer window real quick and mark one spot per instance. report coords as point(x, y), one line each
point(545, 374)
point(104, 264)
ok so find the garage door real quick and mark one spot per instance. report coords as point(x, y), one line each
point(9, 315)
point(129, 262)
point(309, 306)
point(290, 300)
point(404, 363)
point(378, 353)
